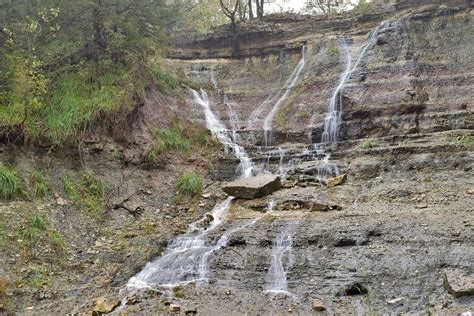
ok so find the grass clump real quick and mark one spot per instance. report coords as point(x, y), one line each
point(168, 140)
point(36, 226)
point(3, 294)
point(87, 192)
point(333, 51)
point(39, 184)
point(189, 184)
point(10, 186)
point(165, 80)
point(367, 144)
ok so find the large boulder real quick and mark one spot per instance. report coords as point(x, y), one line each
point(458, 284)
point(253, 187)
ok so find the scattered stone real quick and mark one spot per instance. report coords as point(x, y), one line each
point(191, 311)
point(395, 300)
point(105, 305)
point(318, 306)
point(174, 308)
point(206, 195)
point(458, 284)
point(421, 206)
point(470, 191)
point(253, 187)
point(334, 181)
point(61, 202)
point(227, 292)
point(318, 207)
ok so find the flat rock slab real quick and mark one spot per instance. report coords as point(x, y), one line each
point(458, 284)
point(253, 187)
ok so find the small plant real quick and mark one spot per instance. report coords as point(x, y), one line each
point(189, 184)
point(464, 139)
point(168, 140)
point(10, 187)
point(36, 227)
point(88, 192)
point(333, 51)
point(367, 144)
point(56, 241)
point(39, 184)
point(165, 80)
point(178, 292)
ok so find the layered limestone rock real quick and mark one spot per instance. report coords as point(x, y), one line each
point(253, 187)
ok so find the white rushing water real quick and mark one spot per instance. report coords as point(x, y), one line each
point(223, 134)
point(185, 259)
point(333, 119)
point(282, 259)
point(283, 94)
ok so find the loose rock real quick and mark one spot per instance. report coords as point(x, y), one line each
point(318, 306)
point(105, 305)
point(458, 284)
point(334, 181)
point(253, 187)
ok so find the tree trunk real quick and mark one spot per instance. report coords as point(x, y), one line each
point(250, 10)
point(260, 9)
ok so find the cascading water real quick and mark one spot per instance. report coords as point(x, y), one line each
point(282, 259)
point(290, 83)
point(223, 134)
point(233, 120)
point(333, 119)
point(186, 257)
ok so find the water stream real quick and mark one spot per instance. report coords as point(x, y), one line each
point(223, 134)
point(289, 84)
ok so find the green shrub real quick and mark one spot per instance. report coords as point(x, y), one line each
point(464, 139)
point(367, 143)
point(10, 187)
point(39, 184)
point(189, 184)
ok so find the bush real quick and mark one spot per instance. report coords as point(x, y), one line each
point(367, 143)
point(10, 187)
point(166, 82)
point(190, 184)
point(39, 184)
point(167, 140)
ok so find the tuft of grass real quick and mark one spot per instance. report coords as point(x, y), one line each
point(87, 191)
point(178, 292)
point(168, 140)
point(165, 80)
point(367, 144)
point(39, 184)
point(464, 139)
point(36, 227)
point(190, 184)
point(10, 187)
point(333, 51)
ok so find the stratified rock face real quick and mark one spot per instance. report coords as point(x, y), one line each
point(253, 187)
point(415, 78)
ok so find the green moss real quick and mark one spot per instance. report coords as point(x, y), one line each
point(333, 51)
point(190, 184)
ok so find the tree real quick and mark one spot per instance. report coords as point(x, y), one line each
point(325, 6)
point(260, 11)
point(230, 9)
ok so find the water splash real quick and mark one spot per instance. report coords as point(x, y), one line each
point(289, 84)
point(223, 134)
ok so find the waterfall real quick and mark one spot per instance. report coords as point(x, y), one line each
point(186, 256)
point(333, 119)
point(233, 120)
point(289, 84)
point(282, 259)
point(223, 134)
